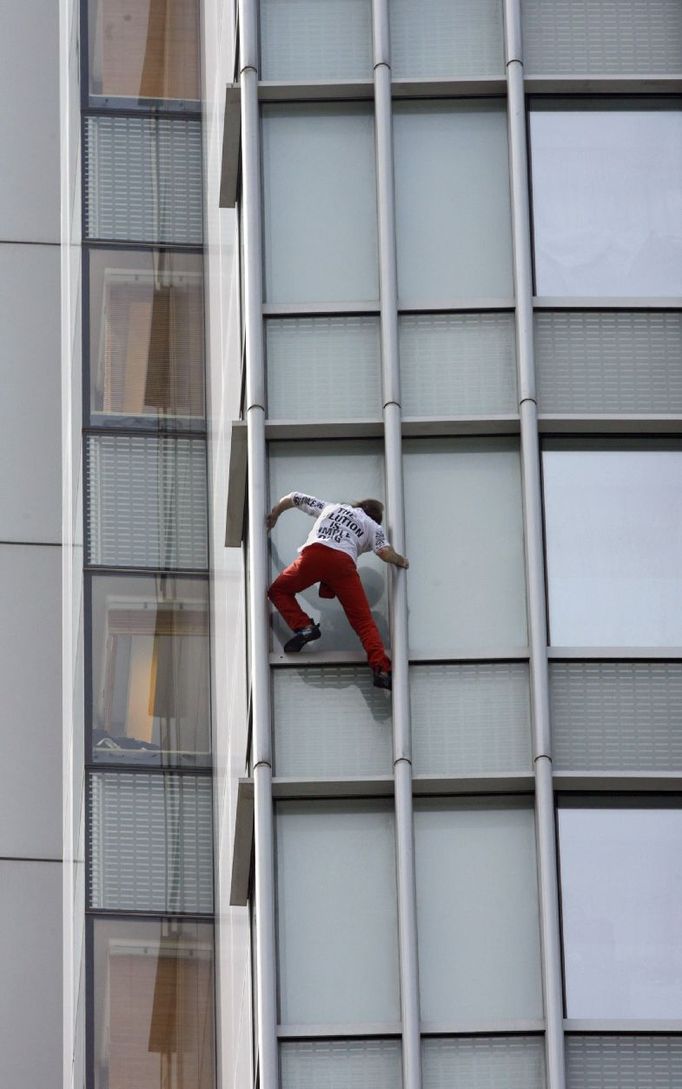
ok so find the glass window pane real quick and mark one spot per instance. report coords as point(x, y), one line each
point(151, 842)
point(453, 216)
point(477, 910)
point(336, 910)
point(319, 204)
point(150, 670)
point(613, 516)
point(153, 1018)
point(457, 364)
point(316, 39)
point(337, 471)
point(146, 338)
point(621, 886)
point(466, 585)
point(340, 1064)
point(484, 1062)
point(306, 358)
point(442, 38)
point(607, 193)
point(144, 49)
point(612, 1062)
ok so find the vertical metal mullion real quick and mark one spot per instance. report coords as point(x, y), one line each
point(266, 989)
point(534, 554)
point(402, 745)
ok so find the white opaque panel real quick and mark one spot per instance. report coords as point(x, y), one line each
point(319, 203)
point(466, 585)
point(330, 721)
point(607, 194)
point(457, 364)
point(336, 913)
point(323, 368)
point(609, 361)
point(442, 38)
point(623, 1062)
point(621, 887)
point(483, 1062)
point(599, 37)
point(470, 719)
point(453, 215)
point(316, 39)
point(613, 514)
point(477, 910)
point(340, 1064)
point(146, 501)
point(337, 471)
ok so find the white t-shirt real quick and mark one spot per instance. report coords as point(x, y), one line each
point(340, 526)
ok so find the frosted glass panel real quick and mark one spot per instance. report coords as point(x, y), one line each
point(453, 217)
point(341, 1064)
point(316, 39)
point(623, 1062)
point(621, 881)
point(465, 586)
point(323, 368)
point(457, 364)
point(614, 537)
point(340, 471)
point(442, 38)
point(477, 910)
point(330, 721)
point(336, 911)
point(319, 204)
point(484, 1062)
point(470, 719)
point(607, 193)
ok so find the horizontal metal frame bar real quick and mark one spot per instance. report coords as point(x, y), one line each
point(473, 305)
point(324, 429)
point(609, 654)
point(314, 309)
point(150, 111)
point(621, 1027)
point(201, 771)
point(618, 781)
point(334, 1031)
point(626, 423)
point(645, 84)
point(139, 916)
point(428, 1028)
point(606, 302)
point(412, 427)
point(350, 657)
point(382, 786)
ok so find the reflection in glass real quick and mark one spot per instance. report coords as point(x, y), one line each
point(621, 877)
point(150, 670)
point(146, 337)
point(607, 201)
point(614, 538)
point(144, 49)
point(153, 1018)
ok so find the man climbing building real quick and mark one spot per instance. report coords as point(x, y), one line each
point(342, 532)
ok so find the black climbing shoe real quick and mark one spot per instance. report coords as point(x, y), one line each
point(382, 679)
point(301, 637)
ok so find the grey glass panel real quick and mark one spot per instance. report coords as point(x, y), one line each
point(457, 364)
point(470, 719)
point(607, 192)
point(440, 38)
point(598, 37)
point(336, 904)
point(480, 1062)
point(319, 203)
point(144, 49)
point(623, 716)
point(323, 368)
point(316, 39)
point(605, 361)
point(465, 585)
point(150, 670)
point(614, 535)
point(146, 326)
point(623, 1062)
point(341, 1064)
point(340, 471)
point(146, 501)
point(621, 881)
point(330, 721)
point(453, 217)
point(153, 1020)
point(151, 842)
point(477, 910)
point(143, 179)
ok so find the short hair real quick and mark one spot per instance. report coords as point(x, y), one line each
point(372, 508)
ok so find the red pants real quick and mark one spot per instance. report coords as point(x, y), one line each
point(318, 563)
